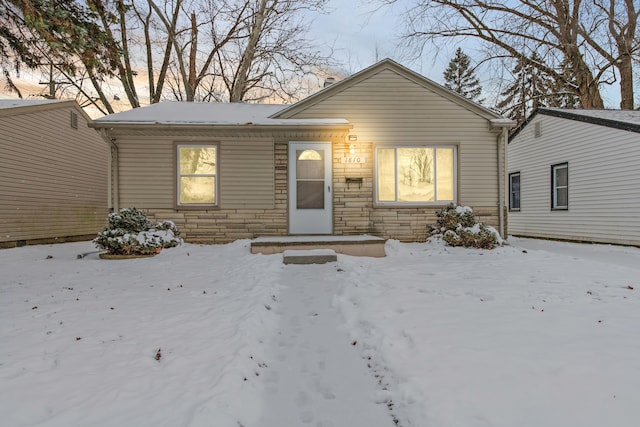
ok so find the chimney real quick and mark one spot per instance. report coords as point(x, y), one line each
point(329, 81)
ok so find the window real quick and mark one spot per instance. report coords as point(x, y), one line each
point(415, 175)
point(197, 175)
point(514, 191)
point(560, 186)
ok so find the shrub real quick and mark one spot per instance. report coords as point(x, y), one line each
point(129, 232)
point(458, 226)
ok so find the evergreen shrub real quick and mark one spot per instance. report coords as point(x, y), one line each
point(458, 226)
point(130, 232)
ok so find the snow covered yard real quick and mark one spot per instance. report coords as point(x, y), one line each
point(532, 334)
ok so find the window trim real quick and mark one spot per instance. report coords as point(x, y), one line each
point(511, 192)
point(554, 196)
point(178, 175)
point(378, 203)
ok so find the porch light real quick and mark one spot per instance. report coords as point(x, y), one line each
point(353, 137)
point(352, 149)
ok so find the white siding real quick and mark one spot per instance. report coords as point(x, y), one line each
point(604, 181)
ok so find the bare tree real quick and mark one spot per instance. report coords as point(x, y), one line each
point(593, 37)
point(421, 164)
point(272, 55)
point(238, 50)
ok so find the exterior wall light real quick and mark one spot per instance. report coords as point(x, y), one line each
point(353, 137)
point(352, 149)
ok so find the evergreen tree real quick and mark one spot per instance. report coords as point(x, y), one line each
point(532, 88)
point(461, 79)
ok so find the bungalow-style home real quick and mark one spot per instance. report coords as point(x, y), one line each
point(377, 153)
point(575, 175)
point(53, 173)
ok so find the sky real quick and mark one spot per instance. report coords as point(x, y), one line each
point(360, 33)
point(536, 333)
point(363, 33)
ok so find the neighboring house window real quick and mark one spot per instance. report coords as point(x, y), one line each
point(415, 175)
point(197, 175)
point(560, 186)
point(514, 191)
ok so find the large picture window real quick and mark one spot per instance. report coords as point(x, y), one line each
point(197, 175)
point(560, 186)
point(415, 175)
point(514, 191)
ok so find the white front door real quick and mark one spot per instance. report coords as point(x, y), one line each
point(310, 208)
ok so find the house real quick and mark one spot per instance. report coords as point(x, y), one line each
point(574, 175)
point(53, 173)
point(377, 153)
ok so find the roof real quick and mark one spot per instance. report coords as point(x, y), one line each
point(20, 106)
point(23, 103)
point(239, 114)
point(207, 113)
point(628, 120)
point(496, 119)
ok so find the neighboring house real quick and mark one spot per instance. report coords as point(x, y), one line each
point(377, 153)
point(575, 175)
point(53, 173)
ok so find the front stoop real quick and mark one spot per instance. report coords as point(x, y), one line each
point(313, 256)
point(364, 245)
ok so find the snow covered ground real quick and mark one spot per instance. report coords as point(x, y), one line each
point(532, 334)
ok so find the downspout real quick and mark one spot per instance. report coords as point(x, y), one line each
point(502, 137)
point(112, 171)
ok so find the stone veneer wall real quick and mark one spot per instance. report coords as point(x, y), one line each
point(353, 205)
point(227, 225)
point(354, 210)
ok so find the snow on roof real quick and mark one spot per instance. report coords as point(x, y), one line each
point(209, 113)
point(18, 103)
point(622, 116)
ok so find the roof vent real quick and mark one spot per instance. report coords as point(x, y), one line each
point(329, 81)
point(74, 120)
point(537, 129)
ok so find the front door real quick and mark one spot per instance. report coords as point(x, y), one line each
point(310, 208)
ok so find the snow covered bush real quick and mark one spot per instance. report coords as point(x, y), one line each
point(129, 232)
point(458, 226)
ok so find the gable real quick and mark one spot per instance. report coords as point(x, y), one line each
point(390, 106)
point(380, 83)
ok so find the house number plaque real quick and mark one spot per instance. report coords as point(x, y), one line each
point(354, 159)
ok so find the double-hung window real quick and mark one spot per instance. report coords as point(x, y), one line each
point(514, 191)
point(415, 175)
point(560, 186)
point(197, 175)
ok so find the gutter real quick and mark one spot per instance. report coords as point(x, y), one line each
point(212, 126)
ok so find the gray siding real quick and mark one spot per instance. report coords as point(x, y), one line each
point(53, 178)
point(147, 172)
point(388, 108)
point(604, 181)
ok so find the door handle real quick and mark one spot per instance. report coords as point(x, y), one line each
point(329, 188)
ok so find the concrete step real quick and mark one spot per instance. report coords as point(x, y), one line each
point(313, 256)
point(360, 245)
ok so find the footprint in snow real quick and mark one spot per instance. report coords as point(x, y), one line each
point(306, 417)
